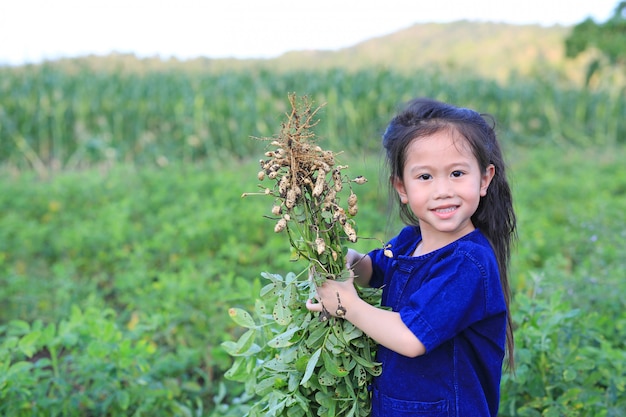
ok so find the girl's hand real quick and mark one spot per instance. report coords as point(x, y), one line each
point(384, 326)
point(361, 267)
point(335, 297)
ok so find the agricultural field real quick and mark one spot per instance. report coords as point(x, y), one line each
point(53, 119)
point(124, 239)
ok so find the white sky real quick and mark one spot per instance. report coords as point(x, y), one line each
point(32, 30)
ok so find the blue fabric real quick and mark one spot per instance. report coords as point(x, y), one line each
point(452, 300)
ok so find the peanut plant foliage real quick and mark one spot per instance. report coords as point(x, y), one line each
point(304, 364)
point(295, 364)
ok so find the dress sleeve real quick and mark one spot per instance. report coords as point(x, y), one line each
point(453, 297)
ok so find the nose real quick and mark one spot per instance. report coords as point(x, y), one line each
point(442, 189)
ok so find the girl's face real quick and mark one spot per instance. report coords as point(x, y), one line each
point(442, 184)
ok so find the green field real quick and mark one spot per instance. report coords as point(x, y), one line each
point(52, 119)
point(124, 238)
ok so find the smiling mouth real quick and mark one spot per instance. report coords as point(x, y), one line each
point(446, 210)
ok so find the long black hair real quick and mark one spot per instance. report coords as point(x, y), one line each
point(495, 216)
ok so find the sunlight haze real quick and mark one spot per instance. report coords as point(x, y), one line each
point(35, 30)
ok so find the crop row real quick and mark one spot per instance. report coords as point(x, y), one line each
point(54, 119)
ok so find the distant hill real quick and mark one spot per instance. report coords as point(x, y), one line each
point(492, 50)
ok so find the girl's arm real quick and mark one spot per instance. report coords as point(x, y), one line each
point(385, 327)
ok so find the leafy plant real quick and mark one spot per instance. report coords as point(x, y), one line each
point(81, 366)
point(292, 363)
point(609, 38)
point(153, 257)
point(561, 369)
point(308, 366)
point(53, 120)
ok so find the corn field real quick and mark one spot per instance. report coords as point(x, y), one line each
point(53, 120)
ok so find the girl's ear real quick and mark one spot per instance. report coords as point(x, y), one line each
point(486, 178)
point(398, 184)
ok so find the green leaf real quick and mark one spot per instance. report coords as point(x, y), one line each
point(277, 408)
point(18, 327)
point(290, 278)
point(367, 363)
point(283, 339)
point(230, 347)
point(282, 314)
point(317, 334)
point(293, 383)
point(123, 399)
point(241, 317)
point(237, 370)
point(349, 363)
point(551, 411)
point(333, 344)
point(324, 399)
point(361, 375)
point(246, 340)
point(301, 362)
point(310, 366)
point(290, 296)
point(28, 343)
point(260, 308)
point(277, 365)
point(270, 290)
point(327, 379)
point(584, 363)
point(290, 355)
point(332, 366)
point(48, 334)
point(265, 386)
point(191, 386)
point(19, 367)
point(353, 409)
point(245, 346)
point(351, 332)
point(569, 375)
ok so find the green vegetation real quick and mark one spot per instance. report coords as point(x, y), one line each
point(117, 286)
point(312, 364)
point(124, 240)
point(51, 120)
point(607, 39)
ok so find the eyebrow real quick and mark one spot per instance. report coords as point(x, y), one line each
point(448, 167)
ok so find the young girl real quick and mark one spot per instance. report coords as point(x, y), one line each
point(444, 277)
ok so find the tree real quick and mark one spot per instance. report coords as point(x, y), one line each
point(608, 38)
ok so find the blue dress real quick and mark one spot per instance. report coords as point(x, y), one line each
point(452, 300)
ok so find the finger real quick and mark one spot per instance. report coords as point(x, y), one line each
point(311, 306)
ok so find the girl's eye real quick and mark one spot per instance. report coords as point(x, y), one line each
point(424, 177)
point(457, 174)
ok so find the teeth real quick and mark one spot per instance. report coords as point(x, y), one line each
point(446, 210)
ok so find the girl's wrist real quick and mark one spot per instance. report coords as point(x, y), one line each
point(348, 305)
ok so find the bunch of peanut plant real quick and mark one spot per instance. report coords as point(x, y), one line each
point(294, 362)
